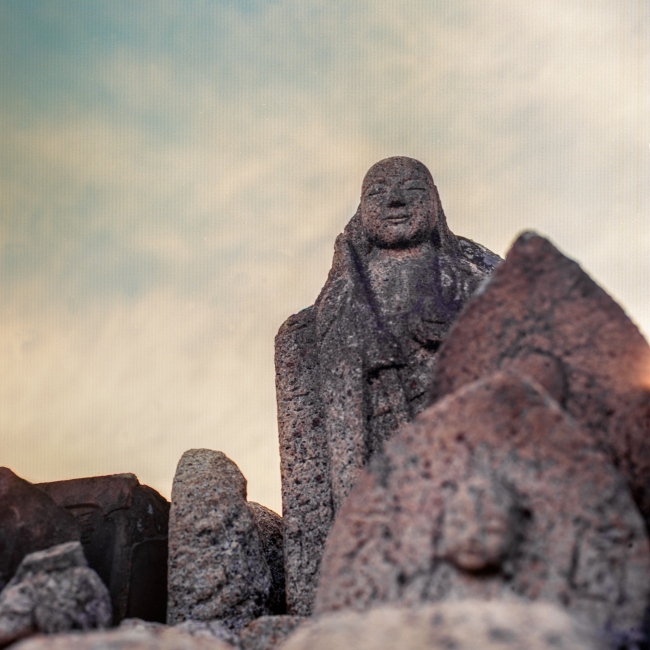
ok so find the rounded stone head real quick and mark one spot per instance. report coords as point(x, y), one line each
point(399, 203)
point(480, 525)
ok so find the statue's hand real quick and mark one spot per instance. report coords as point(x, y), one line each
point(427, 331)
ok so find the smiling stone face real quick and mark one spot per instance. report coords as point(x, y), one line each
point(398, 203)
point(479, 526)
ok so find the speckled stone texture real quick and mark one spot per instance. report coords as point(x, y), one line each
point(467, 625)
point(217, 568)
point(354, 366)
point(492, 492)
point(29, 521)
point(210, 629)
point(269, 527)
point(268, 632)
point(543, 315)
point(162, 638)
point(53, 591)
point(124, 535)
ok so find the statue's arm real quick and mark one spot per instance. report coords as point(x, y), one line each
point(306, 488)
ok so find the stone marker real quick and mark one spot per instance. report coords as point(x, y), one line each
point(217, 568)
point(53, 591)
point(542, 315)
point(357, 364)
point(163, 638)
point(29, 521)
point(124, 535)
point(467, 625)
point(492, 492)
point(269, 527)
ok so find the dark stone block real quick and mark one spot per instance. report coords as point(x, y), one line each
point(29, 521)
point(124, 535)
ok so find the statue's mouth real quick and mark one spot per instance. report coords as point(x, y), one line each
point(397, 218)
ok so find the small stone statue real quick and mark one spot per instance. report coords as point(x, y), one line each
point(480, 526)
point(356, 365)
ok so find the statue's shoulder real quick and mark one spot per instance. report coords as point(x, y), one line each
point(478, 255)
point(297, 329)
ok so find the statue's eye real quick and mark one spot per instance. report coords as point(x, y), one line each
point(373, 190)
point(414, 185)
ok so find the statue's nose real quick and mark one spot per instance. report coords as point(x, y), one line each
point(396, 198)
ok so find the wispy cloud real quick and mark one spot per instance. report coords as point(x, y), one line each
point(172, 182)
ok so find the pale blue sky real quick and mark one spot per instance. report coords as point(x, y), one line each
point(173, 176)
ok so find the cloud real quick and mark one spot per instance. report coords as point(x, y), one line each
point(173, 181)
point(130, 387)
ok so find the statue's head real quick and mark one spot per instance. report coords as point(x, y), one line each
point(399, 203)
point(481, 525)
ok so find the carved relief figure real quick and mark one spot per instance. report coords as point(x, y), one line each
point(483, 529)
point(356, 365)
point(481, 526)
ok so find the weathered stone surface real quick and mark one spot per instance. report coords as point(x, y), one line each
point(492, 492)
point(269, 527)
point(217, 568)
point(124, 535)
point(267, 632)
point(358, 363)
point(209, 629)
point(29, 521)
point(162, 638)
point(53, 591)
point(467, 625)
point(541, 314)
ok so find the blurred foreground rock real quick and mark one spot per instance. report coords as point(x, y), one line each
point(466, 625)
point(159, 638)
point(492, 492)
point(542, 315)
point(124, 535)
point(217, 567)
point(53, 591)
point(267, 632)
point(29, 521)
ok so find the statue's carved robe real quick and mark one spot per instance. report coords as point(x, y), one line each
point(349, 371)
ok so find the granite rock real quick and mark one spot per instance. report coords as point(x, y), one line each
point(29, 521)
point(492, 492)
point(161, 638)
point(267, 632)
point(269, 527)
point(210, 629)
point(542, 315)
point(53, 591)
point(124, 535)
point(357, 364)
point(466, 625)
point(217, 568)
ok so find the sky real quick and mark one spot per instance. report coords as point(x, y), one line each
point(173, 176)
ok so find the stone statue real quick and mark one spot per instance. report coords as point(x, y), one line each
point(356, 365)
point(481, 525)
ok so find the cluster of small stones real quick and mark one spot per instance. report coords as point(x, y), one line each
point(465, 453)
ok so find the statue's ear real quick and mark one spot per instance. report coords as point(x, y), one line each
point(355, 234)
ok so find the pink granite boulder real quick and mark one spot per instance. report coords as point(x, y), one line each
point(542, 315)
point(492, 492)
